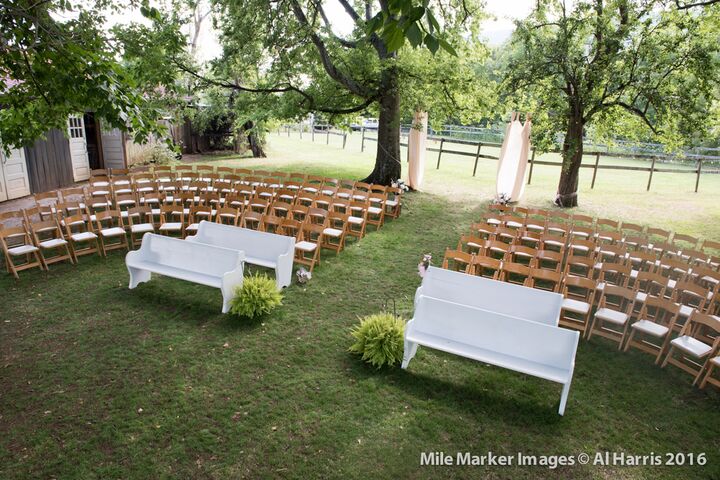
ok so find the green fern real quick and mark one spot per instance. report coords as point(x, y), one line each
point(379, 339)
point(257, 296)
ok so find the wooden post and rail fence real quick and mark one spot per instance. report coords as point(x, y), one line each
point(446, 147)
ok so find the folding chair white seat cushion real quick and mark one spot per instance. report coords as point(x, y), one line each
point(691, 346)
point(327, 192)
point(22, 250)
point(391, 203)
point(333, 232)
point(686, 311)
point(83, 236)
point(650, 328)
point(611, 316)
point(533, 226)
point(142, 228)
point(514, 224)
point(192, 227)
point(641, 297)
point(375, 210)
point(171, 226)
point(53, 243)
point(575, 306)
point(306, 246)
point(342, 195)
point(715, 361)
point(356, 220)
point(553, 242)
point(112, 232)
point(126, 202)
point(710, 279)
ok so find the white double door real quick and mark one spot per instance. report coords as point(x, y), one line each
point(14, 182)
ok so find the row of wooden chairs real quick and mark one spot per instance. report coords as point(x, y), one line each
point(640, 317)
point(561, 221)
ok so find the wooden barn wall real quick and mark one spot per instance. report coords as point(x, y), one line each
point(49, 163)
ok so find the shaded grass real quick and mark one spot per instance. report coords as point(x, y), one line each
point(282, 397)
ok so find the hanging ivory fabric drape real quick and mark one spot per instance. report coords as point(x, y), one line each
point(416, 150)
point(510, 184)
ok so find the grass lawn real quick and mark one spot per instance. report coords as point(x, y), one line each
point(102, 382)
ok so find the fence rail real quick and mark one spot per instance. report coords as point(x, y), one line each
point(478, 154)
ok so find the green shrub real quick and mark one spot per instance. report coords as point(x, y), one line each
point(379, 339)
point(257, 296)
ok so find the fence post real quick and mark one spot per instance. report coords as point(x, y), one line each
point(597, 161)
point(362, 142)
point(288, 130)
point(327, 139)
point(532, 165)
point(652, 168)
point(301, 129)
point(477, 157)
point(699, 168)
point(442, 140)
point(344, 139)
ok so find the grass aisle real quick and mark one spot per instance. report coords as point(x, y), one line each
point(102, 382)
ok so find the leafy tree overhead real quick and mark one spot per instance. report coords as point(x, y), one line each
point(615, 63)
point(287, 52)
point(56, 60)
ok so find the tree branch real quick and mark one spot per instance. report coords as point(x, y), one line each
point(685, 6)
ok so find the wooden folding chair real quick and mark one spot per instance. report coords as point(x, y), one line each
point(307, 249)
point(550, 241)
point(299, 213)
point(471, 244)
point(496, 249)
point(515, 273)
point(612, 317)
point(506, 234)
point(529, 238)
point(259, 205)
point(617, 274)
point(457, 260)
point(393, 204)
point(228, 216)
point(712, 365)
point(543, 279)
point(290, 228)
point(548, 260)
point(674, 269)
point(196, 215)
point(512, 221)
point(579, 297)
point(651, 333)
point(643, 261)
point(699, 338)
point(80, 234)
point(582, 247)
point(633, 228)
point(271, 224)
point(612, 254)
point(48, 237)
point(140, 221)
point(607, 224)
point(317, 216)
point(579, 266)
point(172, 220)
point(21, 250)
point(357, 221)
point(487, 267)
point(535, 219)
point(46, 204)
point(376, 210)
point(252, 220)
point(335, 232)
point(324, 202)
point(685, 242)
point(121, 185)
point(110, 226)
point(582, 221)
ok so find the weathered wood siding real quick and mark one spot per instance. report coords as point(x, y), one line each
point(49, 163)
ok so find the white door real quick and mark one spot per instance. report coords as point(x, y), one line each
point(15, 182)
point(3, 191)
point(78, 148)
point(112, 147)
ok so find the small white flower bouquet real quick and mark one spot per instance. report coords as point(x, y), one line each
point(303, 276)
point(424, 264)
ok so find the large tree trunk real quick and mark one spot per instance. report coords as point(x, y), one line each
point(253, 140)
point(387, 159)
point(572, 153)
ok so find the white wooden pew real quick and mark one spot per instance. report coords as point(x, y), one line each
point(261, 248)
point(501, 297)
point(525, 346)
point(195, 262)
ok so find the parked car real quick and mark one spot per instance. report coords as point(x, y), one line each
point(371, 123)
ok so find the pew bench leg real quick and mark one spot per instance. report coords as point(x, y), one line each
point(409, 353)
point(138, 276)
point(564, 397)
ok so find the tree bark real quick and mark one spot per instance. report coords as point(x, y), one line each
point(572, 153)
point(253, 140)
point(387, 159)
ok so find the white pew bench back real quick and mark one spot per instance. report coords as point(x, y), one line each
point(260, 248)
point(524, 346)
point(194, 262)
point(491, 295)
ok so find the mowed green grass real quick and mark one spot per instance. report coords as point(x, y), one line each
point(102, 382)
